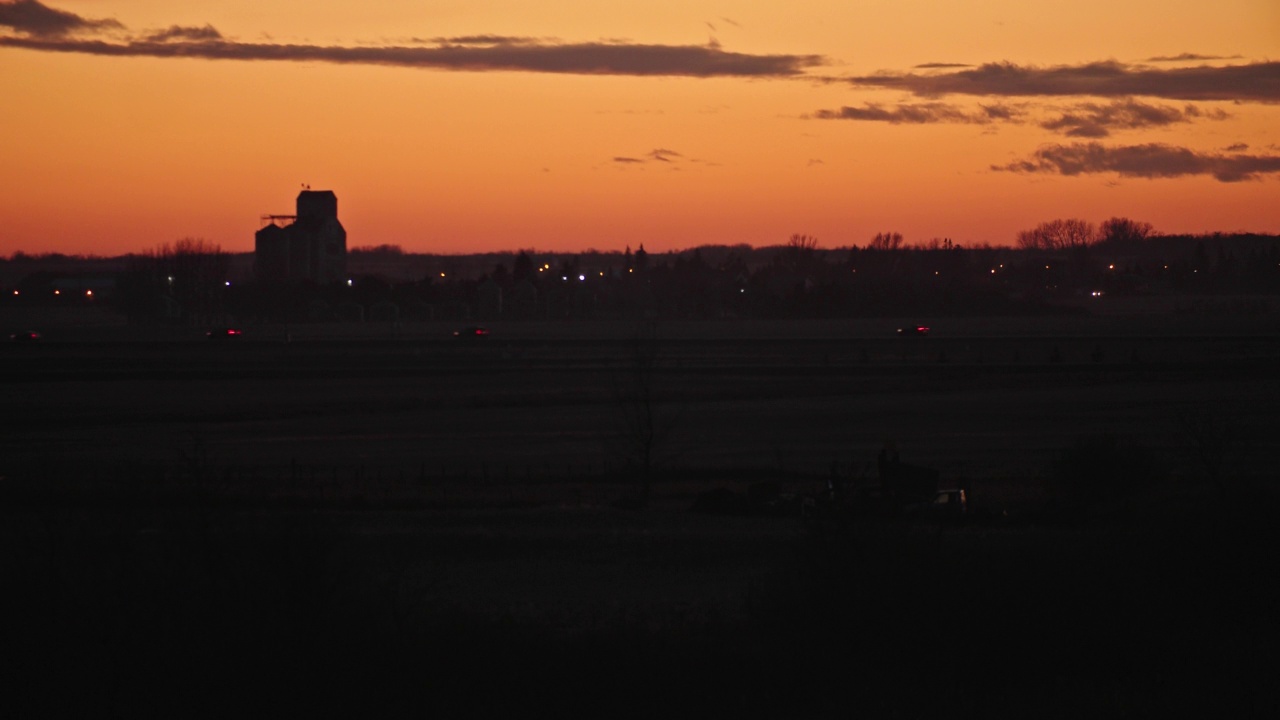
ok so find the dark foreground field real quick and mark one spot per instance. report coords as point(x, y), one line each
point(358, 521)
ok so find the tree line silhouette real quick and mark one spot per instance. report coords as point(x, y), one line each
point(1052, 267)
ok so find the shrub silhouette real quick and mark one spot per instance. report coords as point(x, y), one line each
point(1100, 468)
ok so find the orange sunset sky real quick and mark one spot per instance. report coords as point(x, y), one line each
point(563, 125)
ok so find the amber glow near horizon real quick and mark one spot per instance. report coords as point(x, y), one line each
point(574, 124)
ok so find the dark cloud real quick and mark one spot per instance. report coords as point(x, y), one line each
point(1085, 120)
point(1152, 160)
point(1237, 147)
point(190, 34)
point(32, 18)
point(918, 114)
point(486, 40)
point(1191, 57)
point(1007, 113)
point(1253, 82)
point(1094, 120)
point(940, 66)
point(580, 58)
point(42, 28)
point(662, 155)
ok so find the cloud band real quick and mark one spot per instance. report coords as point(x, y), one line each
point(1254, 82)
point(45, 29)
point(1151, 160)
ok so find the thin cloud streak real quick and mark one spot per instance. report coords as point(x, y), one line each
point(190, 34)
point(1151, 160)
point(1253, 82)
point(660, 155)
point(486, 40)
point(1191, 57)
point(911, 114)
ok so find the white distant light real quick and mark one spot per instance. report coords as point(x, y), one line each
point(582, 278)
point(350, 282)
point(228, 283)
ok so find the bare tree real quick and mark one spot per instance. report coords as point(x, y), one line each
point(1067, 234)
point(1210, 440)
point(799, 251)
point(644, 426)
point(802, 243)
point(1123, 230)
point(886, 241)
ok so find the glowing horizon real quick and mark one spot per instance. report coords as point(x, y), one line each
point(580, 124)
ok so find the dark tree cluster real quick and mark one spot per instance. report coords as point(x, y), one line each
point(1053, 266)
point(186, 281)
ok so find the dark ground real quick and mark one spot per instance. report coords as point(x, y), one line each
point(356, 521)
